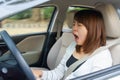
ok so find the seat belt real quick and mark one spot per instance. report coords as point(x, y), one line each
point(86, 57)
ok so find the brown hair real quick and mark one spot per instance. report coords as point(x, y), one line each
point(94, 23)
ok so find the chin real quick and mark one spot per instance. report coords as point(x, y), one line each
point(78, 43)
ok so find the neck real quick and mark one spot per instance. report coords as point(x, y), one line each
point(78, 48)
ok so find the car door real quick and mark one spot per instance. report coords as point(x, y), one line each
point(28, 30)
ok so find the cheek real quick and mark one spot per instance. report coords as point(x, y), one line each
point(82, 36)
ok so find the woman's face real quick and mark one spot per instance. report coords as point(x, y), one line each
point(79, 32)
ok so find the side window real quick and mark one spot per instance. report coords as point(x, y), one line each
point(31, 21)
point(118, 11)
point(68, 23)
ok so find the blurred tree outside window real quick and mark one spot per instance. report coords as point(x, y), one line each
point(30, 21)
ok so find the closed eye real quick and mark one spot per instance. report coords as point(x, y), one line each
point(80, 25)
point(73, 24)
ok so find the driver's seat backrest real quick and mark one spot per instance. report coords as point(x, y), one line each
point(58, 50)
point(112, 25)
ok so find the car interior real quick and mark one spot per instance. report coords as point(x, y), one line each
point(61, 44)
point(45, 52)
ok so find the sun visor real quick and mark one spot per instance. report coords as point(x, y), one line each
point(11, 7)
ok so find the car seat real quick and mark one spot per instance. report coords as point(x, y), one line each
point(112, 25)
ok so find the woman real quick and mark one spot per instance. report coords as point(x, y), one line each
point(89, 33)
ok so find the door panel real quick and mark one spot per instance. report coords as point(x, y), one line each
point(31, 48)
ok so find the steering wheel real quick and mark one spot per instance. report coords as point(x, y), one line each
point(17, 54)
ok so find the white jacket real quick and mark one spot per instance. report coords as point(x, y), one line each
point(97, 62)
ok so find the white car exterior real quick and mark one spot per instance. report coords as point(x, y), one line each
point(8, 9)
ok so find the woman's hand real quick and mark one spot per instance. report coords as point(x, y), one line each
point(38, 73)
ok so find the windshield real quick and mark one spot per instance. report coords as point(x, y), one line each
point(10, 7)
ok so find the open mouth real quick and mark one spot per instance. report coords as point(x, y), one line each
point(76, 36)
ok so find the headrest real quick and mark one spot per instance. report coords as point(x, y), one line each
point(70, 17)
point(69, 21)
point(111, 19)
